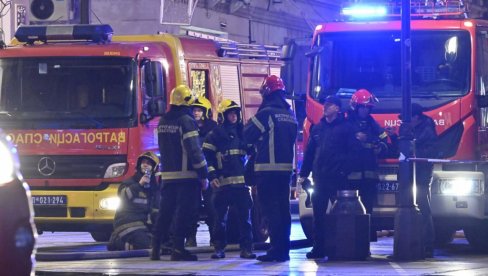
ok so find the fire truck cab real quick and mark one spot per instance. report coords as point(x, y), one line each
point(449, 65)
point(81, 105)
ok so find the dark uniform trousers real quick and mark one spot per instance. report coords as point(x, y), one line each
point(274, 197)
point(240, 200)
point(324, 191)
point(179, 201)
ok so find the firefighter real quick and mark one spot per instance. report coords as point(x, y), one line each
point(273, 131)
point(328, 157)
point(202, 112)
point(225, 151)
point(184, 175)
point(364, 176)
point(425, 139)
point(138, 203)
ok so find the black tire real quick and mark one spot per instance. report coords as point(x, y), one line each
point(477, 236)
point(444, 234)
point(101, 236)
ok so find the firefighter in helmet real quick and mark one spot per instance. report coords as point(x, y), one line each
point(138, 206)
point(225, 151)
point(273, 130)
point(202, 112)
point(184, 175)
point(373, 140)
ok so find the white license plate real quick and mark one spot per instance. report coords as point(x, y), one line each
point(50, 200)
point(391, 186)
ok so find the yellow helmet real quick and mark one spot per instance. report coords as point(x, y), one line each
point(181, 95)
point(205, 104)
point(151, 156)
point(228, 105)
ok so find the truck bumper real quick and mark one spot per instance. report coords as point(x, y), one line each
point(82, 211)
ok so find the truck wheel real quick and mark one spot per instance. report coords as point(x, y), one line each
point(101, 236)
point(307, 226)
point(477, 236)
point(443, 234)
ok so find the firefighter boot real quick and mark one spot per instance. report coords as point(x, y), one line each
point(156, 252)
point(182, 255)
point(246, 251)
point(247, 254)
point(219, 254)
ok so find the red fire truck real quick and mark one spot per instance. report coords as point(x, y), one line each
point(449, 79)
point(81, 108)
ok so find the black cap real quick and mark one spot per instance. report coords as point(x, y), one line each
point(417, 110)
point(332, 99)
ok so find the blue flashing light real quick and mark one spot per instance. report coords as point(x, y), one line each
point(100, 33)
point(363, 11)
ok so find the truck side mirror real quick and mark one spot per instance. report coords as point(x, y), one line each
point(287, 70)
point(153, 74)
point(156, 107)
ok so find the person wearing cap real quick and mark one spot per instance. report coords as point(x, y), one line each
point(138, 206)
point(328, 157)
point(184, 175)
point(202, 112)
point(425, 139)
point(364, 176)
point(226, 151)
point(273, 131)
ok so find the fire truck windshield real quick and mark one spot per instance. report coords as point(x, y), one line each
point(67, 89)
point(344, 62)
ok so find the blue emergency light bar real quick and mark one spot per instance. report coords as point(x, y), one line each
point(101, 33)
point(419, 8)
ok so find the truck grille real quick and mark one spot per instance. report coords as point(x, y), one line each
point(68, 167)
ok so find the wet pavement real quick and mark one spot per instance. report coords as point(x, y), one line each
point(457, 258)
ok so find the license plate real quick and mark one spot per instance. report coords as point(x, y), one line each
point(388, 186)
point(50, 200)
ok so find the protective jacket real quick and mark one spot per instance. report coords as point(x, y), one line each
point(204, 128)
point(273, 130)
point(425, 147)
point(179, 145)
point(366, 164)
point(138, 205)
point(329, 150)
point(225, 151)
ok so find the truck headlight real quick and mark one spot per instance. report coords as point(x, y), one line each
point(459, 186)
point(115, 170)
point(7, 164)
point(110, 203)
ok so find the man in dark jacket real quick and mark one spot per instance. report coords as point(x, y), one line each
point(364, 176)
point(425, 139)
point(138, 199)
point(225, 151)
point(328, 156)
point(273, 131)
point(184, 175)
point(202, 112)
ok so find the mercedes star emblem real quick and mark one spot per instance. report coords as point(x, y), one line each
point(46, 166)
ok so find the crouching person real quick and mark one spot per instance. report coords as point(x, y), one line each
point(138, 195)
point(225, 151)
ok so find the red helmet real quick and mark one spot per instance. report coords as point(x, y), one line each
point(271, 84)
point(363, 97)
